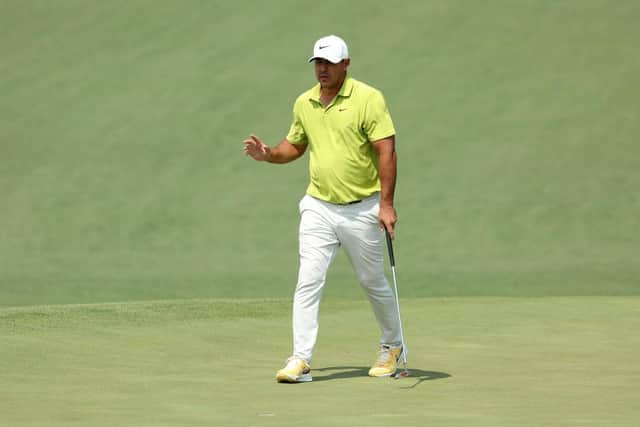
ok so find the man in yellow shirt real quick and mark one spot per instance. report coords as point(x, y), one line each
point(348, 130)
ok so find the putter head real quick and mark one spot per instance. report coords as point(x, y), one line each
point(402, 374)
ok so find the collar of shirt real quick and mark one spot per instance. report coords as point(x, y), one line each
point(344, 92)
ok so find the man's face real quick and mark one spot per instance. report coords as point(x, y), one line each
point(330, 75)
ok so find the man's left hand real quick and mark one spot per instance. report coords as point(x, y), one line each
point(388, 218)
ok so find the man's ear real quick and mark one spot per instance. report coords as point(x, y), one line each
point(346, 62)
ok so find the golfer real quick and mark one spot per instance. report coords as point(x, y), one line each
point(349, 133)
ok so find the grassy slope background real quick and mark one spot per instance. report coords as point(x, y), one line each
point(121, 175)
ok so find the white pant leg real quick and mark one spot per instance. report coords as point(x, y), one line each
point(363, 241)
point(318, 245)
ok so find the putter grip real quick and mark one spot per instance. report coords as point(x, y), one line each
point(392, 259)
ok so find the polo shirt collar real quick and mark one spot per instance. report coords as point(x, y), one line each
point(347, 87)
point(344, 92)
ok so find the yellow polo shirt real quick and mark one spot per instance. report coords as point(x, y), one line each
point(343, 164)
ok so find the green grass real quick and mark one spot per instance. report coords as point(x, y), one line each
point(122, 177)
point(146, 266)
point(567, 361)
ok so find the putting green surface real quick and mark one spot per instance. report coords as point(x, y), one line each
point(568, 361)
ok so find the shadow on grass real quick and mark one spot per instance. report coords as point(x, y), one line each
point(344, 372)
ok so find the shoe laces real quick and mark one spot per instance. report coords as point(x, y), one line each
point(293, 362)
point(384, 355)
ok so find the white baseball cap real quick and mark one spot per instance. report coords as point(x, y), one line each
point(332, 48)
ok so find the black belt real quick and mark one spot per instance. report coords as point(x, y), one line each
point(349, 203)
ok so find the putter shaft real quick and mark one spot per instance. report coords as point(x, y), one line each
point(392, 261)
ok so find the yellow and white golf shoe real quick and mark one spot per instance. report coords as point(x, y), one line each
point(295, 371)
point(387, 362)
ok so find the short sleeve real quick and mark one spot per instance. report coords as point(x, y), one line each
point(377, 123)
point(296, 133)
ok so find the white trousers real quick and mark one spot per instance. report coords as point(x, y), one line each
point(324, 227)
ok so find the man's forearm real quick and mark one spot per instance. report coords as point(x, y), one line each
point(387, 169)
point(285, 152)
point(388, 179)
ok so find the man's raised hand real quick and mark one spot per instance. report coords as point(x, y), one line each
point(255, 148)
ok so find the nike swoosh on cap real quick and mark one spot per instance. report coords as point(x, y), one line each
point(322, 47)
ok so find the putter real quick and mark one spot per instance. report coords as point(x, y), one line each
point(392, 261)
